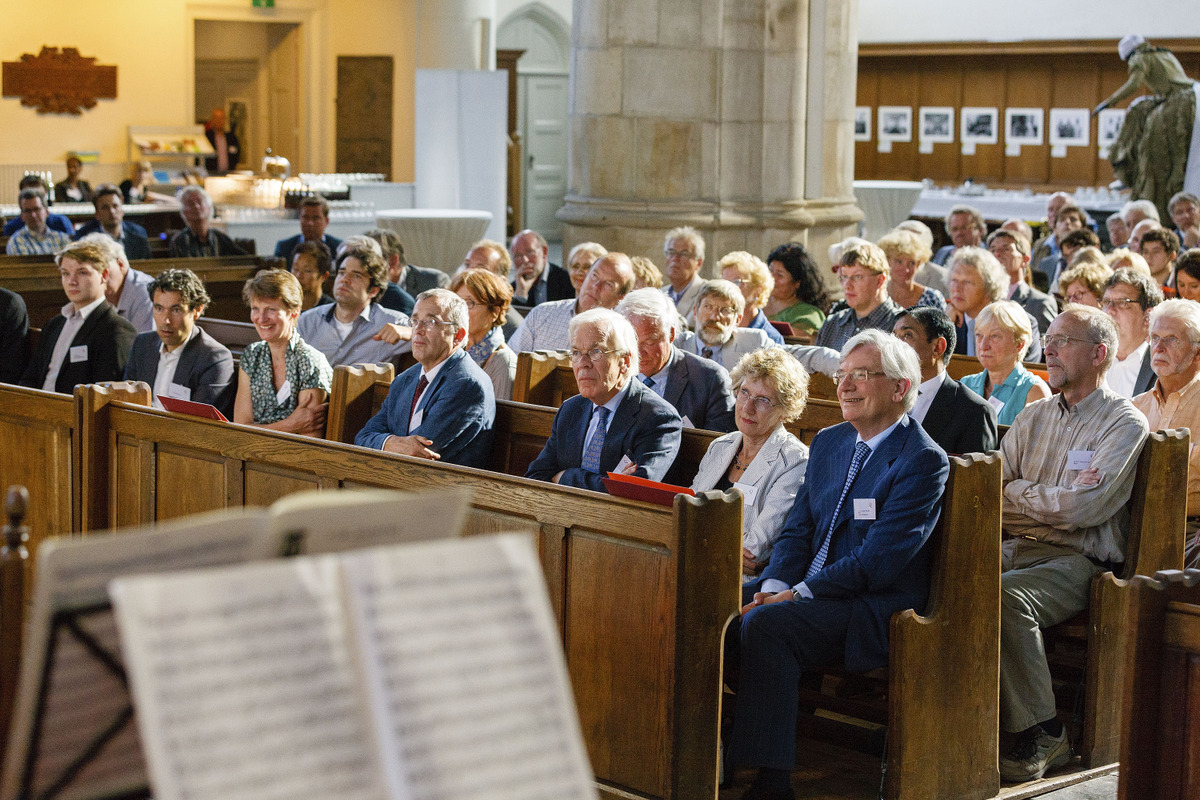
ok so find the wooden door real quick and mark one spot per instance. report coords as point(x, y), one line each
point(364, 114)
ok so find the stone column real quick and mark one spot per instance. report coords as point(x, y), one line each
point(734, 116)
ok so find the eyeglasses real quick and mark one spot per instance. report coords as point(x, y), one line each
point(678, 254)
point(1079, 298)
point(1057, 340)
point(761, 404)
point(593, 355)
point(1170, 342)
point(859, 375)
point(1119, 303)
point(718, 311)
point(419, 324)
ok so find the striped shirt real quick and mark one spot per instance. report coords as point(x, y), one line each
point(843, 325)
point(26, 243)
point(545, 327)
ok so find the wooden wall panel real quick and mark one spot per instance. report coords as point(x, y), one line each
point(265, 484)
point(1075, 85)
point(897, 88)
point(984, 85)
point(188, 482)
point(940, 85)
point(1027, 87)
point(133, 495)
point(868, 95)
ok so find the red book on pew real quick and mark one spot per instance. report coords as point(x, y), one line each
point(784, 328)
point(632, 487)
point(177, 406)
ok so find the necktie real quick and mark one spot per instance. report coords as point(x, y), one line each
point(861, 451)
point(421, 384)
point(591, 456)
point(707, 352)
point(646, 380)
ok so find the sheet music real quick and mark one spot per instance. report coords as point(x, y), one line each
point(245, 686)
point(465, 672)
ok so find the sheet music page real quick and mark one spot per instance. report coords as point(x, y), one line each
point(466, 672)
point(244, 684)
point(350, 519)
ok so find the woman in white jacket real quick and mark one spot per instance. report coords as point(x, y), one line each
point(760, 458)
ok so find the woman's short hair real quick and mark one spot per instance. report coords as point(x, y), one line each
point(991, 272)
point(646, 274)
point(780, 370)
point(487, 288)
point(757, 282)
point(1008, 316)
point(594, 248)
point(920, 229)
point(274, 284)
point(1189, 262)
point(905, 244)
point(1093, 276)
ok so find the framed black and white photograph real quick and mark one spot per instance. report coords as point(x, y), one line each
point(1108, 126)
point(1070, 126)
point(980, 125)
point(895, 123)
point(936, 124)
point(1024, 126)
point(862, 123)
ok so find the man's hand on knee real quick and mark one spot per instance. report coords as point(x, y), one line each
point(766, 598)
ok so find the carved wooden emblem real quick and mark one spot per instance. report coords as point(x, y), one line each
point(59, 81)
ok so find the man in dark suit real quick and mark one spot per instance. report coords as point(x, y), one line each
point(959, 420)
point(314, 219)
point(443, 407)
point(1011, 249)
point(405, 281)
point(200, 239)
point(852, 553)
point(95, 340)
point(697, 387)
point(966, 228)
point(615, 423)
point(537, 280)
point(14, 336)
point(110, 219)
point(1128, 298)
point(178, 359)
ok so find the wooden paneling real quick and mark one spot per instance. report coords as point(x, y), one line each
point(189, 482)
point(36, 432)
point(265, 484)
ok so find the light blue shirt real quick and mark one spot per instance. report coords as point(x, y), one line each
point(611, 405)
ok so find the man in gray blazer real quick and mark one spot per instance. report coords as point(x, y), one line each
point(717, 337)
point(697, 387)
point(178, 359)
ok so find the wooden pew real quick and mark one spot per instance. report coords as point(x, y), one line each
point(14, 558)
point(1160, 742)
point(961, 366)
point(642, 592)
point(233, 334)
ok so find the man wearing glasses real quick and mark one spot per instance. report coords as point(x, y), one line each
point(1069, 463)
point(1128, 298)
point(547, 326)
point(717, 336)
point(441, 408)
point(684, 251)
point(615, 423)
point(863, 273)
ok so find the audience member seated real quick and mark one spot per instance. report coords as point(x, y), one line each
point(1123, 257)
point(73, 189)
point(488, 296)
point(977, 279)
point(178, 359)
point(395, 297)
point(966, 228)
point(283, 382)
point(798, 297)
point(355, 328)
point(580, 260)
point(1002, 336)
point(1128, 298)
point(36, 237)
point(1187, 274)
point(1068, 220)
point(717, 335)
point(14, 336)
point(1012, 251)
point(490, 255)
point(697, 387)
point(1174, 402)
point(536, 280)
point(646, 274)
point(863, 273)
point(57, 222)
point(127, 288)
point(1064, 521)
point(311, 264)
point(1160, 248)
point(547, 327)
point(89, 342)
point(136, 188)
point(1017, 226)
point(615, 423)
point(906, 253)
point(683, 247)
point(1185, 213)
point(1083, 284)
point(442, 408)
point(1135, 211)
point(1139, 231)
point(110, 219)
point(1118, 234)
point(928, 274)
point(409, 277)
point(959, 420)
point(1048, 244)
point(853, 552)
point(761, 458)
point(314, 219)
point(199, 239)
point(754, 281)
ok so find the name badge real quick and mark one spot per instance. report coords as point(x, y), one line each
point(996, 403)
point(1079, 459)
point(864, 508)
point(284, 393)
point(623, 463)
point(179, 392)
point(749, 492)
point(687, 423)
point(78, 353)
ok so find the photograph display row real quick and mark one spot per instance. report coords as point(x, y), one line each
point(978, 125)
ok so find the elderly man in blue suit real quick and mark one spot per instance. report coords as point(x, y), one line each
point(615, 423)
point(441, 408)
point(852, 553)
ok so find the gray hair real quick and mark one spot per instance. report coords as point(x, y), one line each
point(359, 242)
point(33, 193)
point(993, 275)
point(898, 359)
point(919, 228)
point(972, 212)
point(777, 367)
point(649, 304)
point(614, 329)
point(690, 234)
point(726, 290)
point(449, 305)
point(1008, 316)
point(1182, 197)
point(186, 191)
point(1145, 207)
point(113, 250)
point(594, 248)
point(1100, 329)
point(1185, 312)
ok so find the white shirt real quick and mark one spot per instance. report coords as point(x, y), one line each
point(75, 320)
point(925, 394)
point(343, 328)
point(1122, 375)
point(419, 412)
point(168, 362)
point(611, 405)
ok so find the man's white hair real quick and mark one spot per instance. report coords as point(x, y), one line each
point(114, 251)
point(615, 332)
point(899, 360)
point(1185, 312)
point(649, 304)
point(991, 271)
point(690, 234)
point(450, 307)
point(1147, 209)
point(187, 190)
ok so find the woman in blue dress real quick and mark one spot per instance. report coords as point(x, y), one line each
point(1002, 337)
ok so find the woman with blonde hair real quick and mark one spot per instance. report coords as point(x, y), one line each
point(645, 274)
point(750, 274)
point(1084, 281)
point(488, 297)
point(580, 260)
point(1124, 257)
point(906, 254)
point(1002, 337)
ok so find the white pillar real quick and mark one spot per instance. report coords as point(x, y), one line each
point(456, 34)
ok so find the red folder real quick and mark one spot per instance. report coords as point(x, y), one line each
point(177, 406)
point(784, 328)
point(634, 488)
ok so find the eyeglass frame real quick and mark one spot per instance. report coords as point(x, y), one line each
point(593, 355)
point(761, 402)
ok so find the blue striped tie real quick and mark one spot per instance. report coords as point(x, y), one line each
point(861, 451)
point(591, 456)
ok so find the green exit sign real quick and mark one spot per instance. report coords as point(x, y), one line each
point(263, 3)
